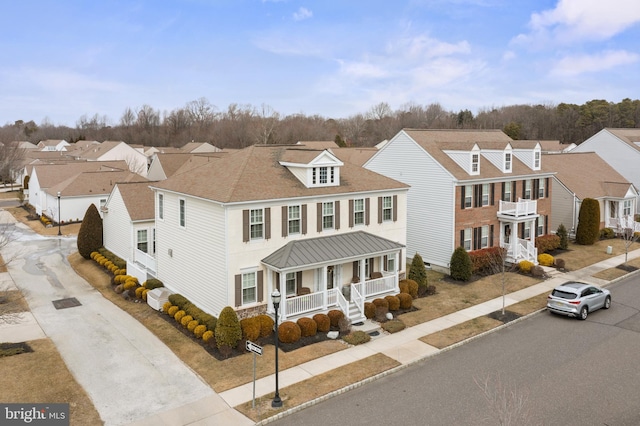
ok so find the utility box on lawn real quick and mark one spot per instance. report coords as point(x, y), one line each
point(157, 297)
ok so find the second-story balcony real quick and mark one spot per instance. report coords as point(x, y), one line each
point(518, 209)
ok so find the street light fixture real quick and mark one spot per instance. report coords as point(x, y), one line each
point(275, 297)
point(59, 231)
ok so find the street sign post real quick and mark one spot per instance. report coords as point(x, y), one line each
point(257, 350)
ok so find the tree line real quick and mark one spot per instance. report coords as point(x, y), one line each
point(239, 126)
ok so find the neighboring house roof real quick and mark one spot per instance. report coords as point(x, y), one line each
point(629, 136)
point(52, 142)
point(198, 147)
point(319, 144)
point(586, 174)
point(333, 248)
point(95, 152)
point(180, 162)
point(53, 174)
point(139, 200)
point(24, 145)
point(357, 156)
point(552, 146)
point(436, 142)
point(255, 173)
point(93, 183)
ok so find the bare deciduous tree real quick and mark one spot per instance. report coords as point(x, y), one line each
point(629, 230)
point(508, 404)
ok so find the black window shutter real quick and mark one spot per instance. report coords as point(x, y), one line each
point(546, 224)
point(492, 195)
point(536, 189)
point(477, 195)
point(547, 182)
point(462, 238)
point(513, 191)
point(491, 236)
point(524, 185)
point(462, 196)
point(502, 194)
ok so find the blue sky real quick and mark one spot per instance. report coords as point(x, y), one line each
point(335, 58)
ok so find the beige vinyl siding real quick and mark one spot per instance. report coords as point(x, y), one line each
point(430, 200)
point(196, 267)
point(562, 207)
point(117, 228)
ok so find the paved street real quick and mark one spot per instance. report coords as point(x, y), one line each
point(570, 371)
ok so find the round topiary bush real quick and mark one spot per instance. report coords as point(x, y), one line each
point(228, 331)
point(525, 266)
point(266, 325)
point(381, 303)
point(393, 302)
point(172, 310)
point(460, 266)
point(406, 301)
point(404, 286)
point(166, 305)
point(152, 283)
point(208, 336)
point(144, 294)
point(356, 337)
point(412, 287)
point(139, 292)
point(179, 315)
point(192, 325)
point(335, 316)
point(370, 309)
point(289, 332)
point(199, 331)
point(250, 328)
point(308, 327)
point(559, 263)
point(185, 320)
point(545, 259)
point(323, 322)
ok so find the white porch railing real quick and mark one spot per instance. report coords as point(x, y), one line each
point(343, 303)
point(522, 250)
point(380, 285)
point(302, 304)
point(518, 208)
point(145, 260)
point(615, 223)
point(357, 298)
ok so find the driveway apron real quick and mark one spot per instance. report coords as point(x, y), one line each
point(128, 372)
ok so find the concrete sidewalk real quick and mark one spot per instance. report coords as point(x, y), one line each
point(405, 346)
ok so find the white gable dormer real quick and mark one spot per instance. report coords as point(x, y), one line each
point(507, 164)
point(537, 157)
point(321, 171)
point(474, 158)
point(531, 157)
point(468, 160)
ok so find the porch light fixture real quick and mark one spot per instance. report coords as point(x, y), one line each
point(59, 216)
point(275, 298)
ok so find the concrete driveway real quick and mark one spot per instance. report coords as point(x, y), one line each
point(129, 374)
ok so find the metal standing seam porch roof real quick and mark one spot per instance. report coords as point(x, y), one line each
point(351, 246)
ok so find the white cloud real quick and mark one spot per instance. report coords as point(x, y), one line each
point(302, 14)
point(576, 20)
point(575, 65)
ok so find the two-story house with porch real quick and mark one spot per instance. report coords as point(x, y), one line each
point(469, 188)
point(233, 229)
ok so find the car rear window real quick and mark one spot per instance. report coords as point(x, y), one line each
point(563, 294)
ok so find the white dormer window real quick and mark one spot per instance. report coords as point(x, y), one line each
point(475, 164)
point(536, 160)
point(507, 162)
point(324, 170)
point(323, 175)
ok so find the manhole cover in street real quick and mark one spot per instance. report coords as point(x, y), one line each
point(69, 302)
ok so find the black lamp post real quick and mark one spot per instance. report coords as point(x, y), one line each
point(59, 231)
point(275, 297)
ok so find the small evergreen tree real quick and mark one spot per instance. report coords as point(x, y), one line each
point(418, 273)
point(460, 265)
point(228, 331)
point(340, 142)
point(90, 234)
point(564, 237)
point(588, 230)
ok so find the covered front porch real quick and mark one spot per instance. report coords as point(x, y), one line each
point(518, 230)
point(335, 272)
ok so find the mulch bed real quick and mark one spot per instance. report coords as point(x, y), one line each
point(627, 268)
point(508, 316)
point(10, 349)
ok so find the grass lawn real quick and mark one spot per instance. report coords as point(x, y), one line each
point(578, 256)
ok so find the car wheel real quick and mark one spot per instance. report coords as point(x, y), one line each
point(584, 312)
point(607, 303)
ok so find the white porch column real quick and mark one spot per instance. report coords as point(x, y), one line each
point(325, 295)
point(362, 270)
point(534, 229)
point(283, 293)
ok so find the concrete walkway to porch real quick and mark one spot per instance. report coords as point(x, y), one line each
point(405, 346)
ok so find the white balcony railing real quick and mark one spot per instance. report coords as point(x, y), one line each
point(518, 208)
point(616, 223)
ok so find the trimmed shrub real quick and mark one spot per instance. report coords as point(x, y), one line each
point(393, 326)
point(308, 327)
point(404, 286)
point(356, 338)
point(323, 322)
point(588, 229)
point(547, 243)
point(208, 336)
point(139, 292)
point(153, 283)
point(381, 303)
point(370, 309)
point(172, 310)
point(228, 331)
point(559, 263)
point(394, 302)
point(412, 287)
point(192, 325)
point(487, 261)
point(545, 259)
point(250, 328)
point(537, 271)
point(179, 315)
point(525, 266)
point(185, 320)
point(335, 316)
point(562, 233)
point(199, 331)
point(431, 290)
point(406, 301)
point(607, 234)
point(129, 284)
point(119, 289)
point(418, 273)
point(208, 320)
point(460, 267)
point(266, 325)
point(144, 294)
point(344, 325)
point(289, 332)
point(382, 307)
point(90, 233)
point(166, 306)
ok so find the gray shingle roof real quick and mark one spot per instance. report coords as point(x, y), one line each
point(334, 248)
